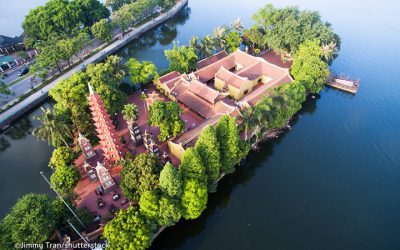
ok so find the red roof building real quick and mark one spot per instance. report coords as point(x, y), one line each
point(109, 140)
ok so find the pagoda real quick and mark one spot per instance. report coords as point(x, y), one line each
point(109, 140)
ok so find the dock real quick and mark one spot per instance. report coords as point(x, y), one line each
point(344, 83)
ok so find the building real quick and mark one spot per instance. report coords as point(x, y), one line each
point(220, 85)
point(86, 147)
point(106, 180)
point(109, 140)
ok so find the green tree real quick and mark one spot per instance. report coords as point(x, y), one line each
point(130, 113)
point(166, 115)
point(208, 149)
point(129, 230)
point(62, 18)
point(122, 18)
point(50, 57)
point(31, 219)
point(103, 30)
point(148, 204)
point(62, 156)
point(233, 41)
point(105, 78)
point(139, 176)
point(246, 119)
point(285, 29)
point(228, 138)
point(194, 199)
point(170, 181)
point(115, 4)
point(192, 167)
point(71, 97)
point(207, 46)
point(4, 90)
point(169, 211)
point(141, 72)
point(92, 10)
point(219, 38)
point(237, 25)
point(53, 128)
point(64, 178)
point(309, 68)
point(181, 58)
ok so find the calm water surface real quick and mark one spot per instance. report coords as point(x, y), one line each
point(331, 182)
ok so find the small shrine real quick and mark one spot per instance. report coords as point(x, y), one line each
point(106, 180)
point(149, 143)
point(86, 147)
point(134, 132)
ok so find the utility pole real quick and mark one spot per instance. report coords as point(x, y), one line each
point(70, 209)
point(80, 235)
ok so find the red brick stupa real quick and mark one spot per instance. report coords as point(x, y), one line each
point(109, 140)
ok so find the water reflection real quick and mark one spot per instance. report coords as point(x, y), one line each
point(19, 130)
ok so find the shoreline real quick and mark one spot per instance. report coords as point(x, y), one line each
point(18, 110)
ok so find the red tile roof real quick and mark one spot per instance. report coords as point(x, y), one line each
point(197, 104)
point(212, 59)
point(203, 91)
point(171, 75)
point(230, 78)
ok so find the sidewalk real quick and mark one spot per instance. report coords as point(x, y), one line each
point(19, 109)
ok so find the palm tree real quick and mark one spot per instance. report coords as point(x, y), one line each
point(237, 25)
point(219, 38)
point(328, 51)
point(260, 120)
point(207, 46)
point(54, 129)
point(194, 43)
point(246, 121)
point(130, 113)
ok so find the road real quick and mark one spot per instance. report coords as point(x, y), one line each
point(12, 113)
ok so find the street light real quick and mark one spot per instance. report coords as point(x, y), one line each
point(70, 209)
point(80, 235)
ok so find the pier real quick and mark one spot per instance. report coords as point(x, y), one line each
point(344, 83)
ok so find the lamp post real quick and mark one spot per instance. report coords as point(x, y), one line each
point(70, 209)
point(80, 235)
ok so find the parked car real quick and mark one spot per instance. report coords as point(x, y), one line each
point(23, 71)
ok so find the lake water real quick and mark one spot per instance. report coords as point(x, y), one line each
point(331, 182)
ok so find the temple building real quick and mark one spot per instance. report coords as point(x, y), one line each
point(86, 147)
point(221, 85)
point(106, 180)
point(109, 140)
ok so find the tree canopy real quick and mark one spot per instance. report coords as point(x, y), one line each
point(140, 175)
point(31, 219)
point(103, 30)
point(129, 230)
point(62, 156)
point(64, 179)
point(170, 181)
point(60, 18)
point(228, 137)
point(192, 167)
point(284, 29)
point(194, 198)
point(309, 68)
point(181, 58)
point(141, 72)
point(208, 148)
point(166, 115)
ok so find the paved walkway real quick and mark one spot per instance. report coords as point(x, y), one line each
point(19, 109)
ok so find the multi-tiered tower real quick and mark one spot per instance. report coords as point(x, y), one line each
point(109, 141)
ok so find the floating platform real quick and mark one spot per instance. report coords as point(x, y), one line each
point(343, 83)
